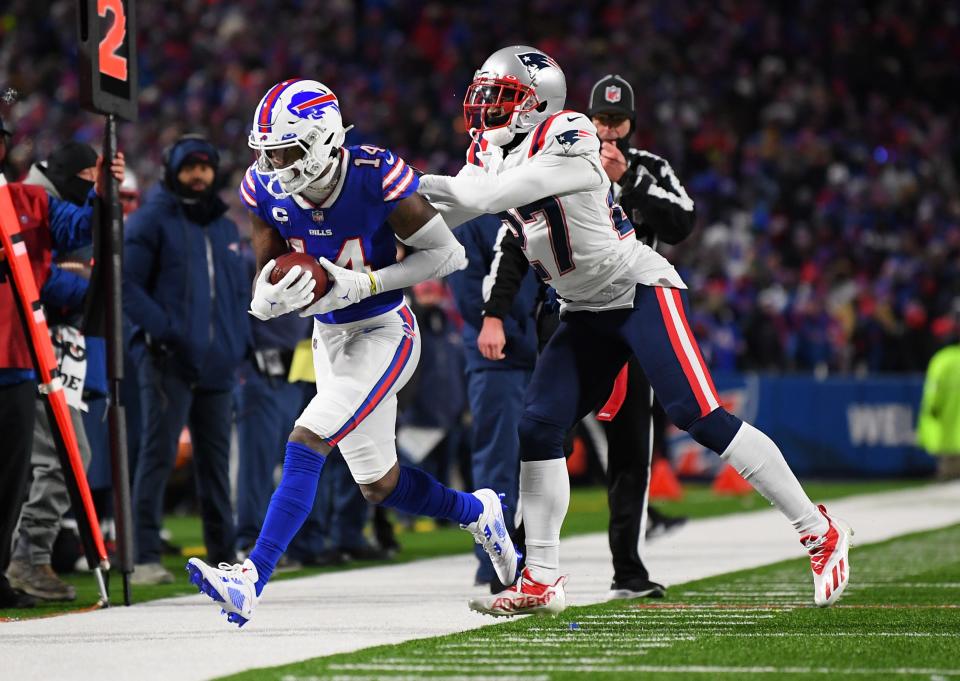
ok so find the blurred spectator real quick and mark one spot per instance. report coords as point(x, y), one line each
point(500, 343)
point(129, 194)
point(938, 429)
point(818, 139)
point(5, 135)
point(430, 427)
point(185, 294)
point(46, 223)
point(68, 174)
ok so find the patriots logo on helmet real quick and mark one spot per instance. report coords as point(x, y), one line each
point(534, 61)
point(312, 104)
point(568, 138)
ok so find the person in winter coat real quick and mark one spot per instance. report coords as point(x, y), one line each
point(46, 224)
point(185, 295)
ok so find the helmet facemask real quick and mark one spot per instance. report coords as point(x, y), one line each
point(496, 108)
point(292, 165)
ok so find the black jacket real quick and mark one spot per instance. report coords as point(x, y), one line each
point(654, 200)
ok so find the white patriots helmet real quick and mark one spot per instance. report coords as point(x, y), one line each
point(514, 90)
point(303, 116)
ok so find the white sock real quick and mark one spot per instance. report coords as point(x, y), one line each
point(544, 495)
point(760, 462)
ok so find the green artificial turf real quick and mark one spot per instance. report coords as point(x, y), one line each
point(588, 513)
point(899, 619)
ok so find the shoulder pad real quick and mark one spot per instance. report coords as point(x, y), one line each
point(397, 179)
point(565, 133)
point(248, 187)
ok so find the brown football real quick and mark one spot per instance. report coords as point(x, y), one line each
point(307, 262)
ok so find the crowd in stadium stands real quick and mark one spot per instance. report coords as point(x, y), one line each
point(817, 138)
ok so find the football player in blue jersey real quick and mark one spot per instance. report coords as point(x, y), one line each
point(345, 206)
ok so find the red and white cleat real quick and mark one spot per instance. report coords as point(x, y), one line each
point(829, 560)
point(525, 597)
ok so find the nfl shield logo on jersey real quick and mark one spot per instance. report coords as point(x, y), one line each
point(612, 94)
point(317, 216)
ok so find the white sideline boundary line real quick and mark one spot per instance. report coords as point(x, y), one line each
point(185, 638)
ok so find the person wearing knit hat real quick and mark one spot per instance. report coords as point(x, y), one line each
point(185, 295)
point(68, 174)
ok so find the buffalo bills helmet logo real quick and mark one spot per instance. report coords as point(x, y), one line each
point(568, 138)
point(312, 104)
point(534, 61)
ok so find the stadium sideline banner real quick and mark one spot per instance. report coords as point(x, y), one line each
point(835, 427)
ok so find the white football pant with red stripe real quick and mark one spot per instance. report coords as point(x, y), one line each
point(360, 366)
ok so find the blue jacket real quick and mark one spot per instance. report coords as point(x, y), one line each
point(185, 291)
point(480, 238)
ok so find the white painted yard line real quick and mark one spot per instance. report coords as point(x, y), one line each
point(186, 639)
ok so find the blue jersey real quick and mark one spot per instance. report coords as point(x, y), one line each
point(349, 228)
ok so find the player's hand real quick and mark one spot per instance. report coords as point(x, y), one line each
point(116, 169)
point(613, 161)
point(348, 287)
point(290, 293)
point(492, 340)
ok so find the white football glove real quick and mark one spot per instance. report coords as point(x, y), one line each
point(349, 287)
point(290, 293)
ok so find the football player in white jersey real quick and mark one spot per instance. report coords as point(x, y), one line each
point(538, 166)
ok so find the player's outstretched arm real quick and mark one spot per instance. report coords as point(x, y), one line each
point(418, 225)
point(546, 175)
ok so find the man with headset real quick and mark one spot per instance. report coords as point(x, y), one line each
point(185, 294)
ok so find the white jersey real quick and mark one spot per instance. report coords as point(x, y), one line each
point(553, 192)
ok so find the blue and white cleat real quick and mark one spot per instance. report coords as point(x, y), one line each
point(233, 587)
point(490, 531)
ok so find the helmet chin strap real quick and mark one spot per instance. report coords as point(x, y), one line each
point(318, 190)
point(499, 137)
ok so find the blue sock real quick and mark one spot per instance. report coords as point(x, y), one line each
point(418, 493)
point(289, 507)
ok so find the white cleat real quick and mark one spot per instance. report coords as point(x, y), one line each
point(233, 587)
point(829, 560)
point(525, 597)
point(490, 531)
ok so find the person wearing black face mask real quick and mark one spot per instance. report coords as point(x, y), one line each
point(185, 293)
point(68, 174)
point(656, 203)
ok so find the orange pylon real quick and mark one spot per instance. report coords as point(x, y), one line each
point(731, 483)
point(663, 482)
